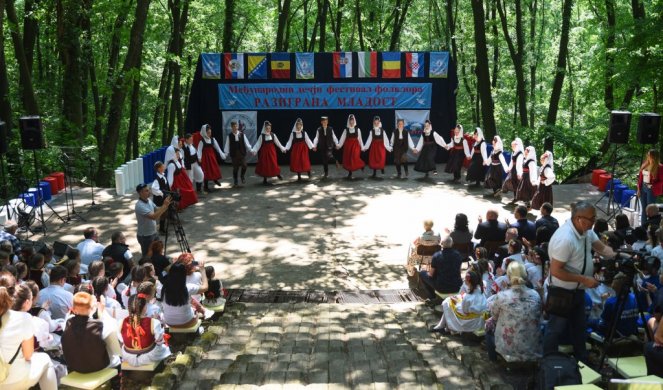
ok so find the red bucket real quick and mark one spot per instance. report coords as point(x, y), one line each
point(595, 176)
point(54, 184)
point(603, 181)
point(60, 178)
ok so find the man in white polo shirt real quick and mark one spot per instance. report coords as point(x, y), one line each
point(572, 268)
point(90, 248)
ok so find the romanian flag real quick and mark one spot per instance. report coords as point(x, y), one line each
point(342, 64)
point(414, 64)
point(257, 66)
point(280, 64)
point(391, 65)
point(367, 63)
point(234, 65)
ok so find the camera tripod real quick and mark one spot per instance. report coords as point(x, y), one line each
point(173, 218)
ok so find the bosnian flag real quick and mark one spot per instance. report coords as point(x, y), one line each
point(342, 64)
point(414, 64)
point(367, 63)
point(234, 65)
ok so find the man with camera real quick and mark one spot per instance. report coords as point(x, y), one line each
point(147, 214)
point(571, 271)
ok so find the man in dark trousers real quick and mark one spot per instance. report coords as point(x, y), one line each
point(236, 146)
point(325, 141)
point(400, 143)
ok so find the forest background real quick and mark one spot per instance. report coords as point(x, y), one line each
point(110, 78)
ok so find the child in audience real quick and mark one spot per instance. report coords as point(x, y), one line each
point(138, 275)
point(73, 272)
point(153, 306)
point(43, 311)
point(464, 312)
point(115, 274)
point(215, 289)
point(37, 273)
point(23, 299)
point(100, 285)
point(21, 272)
point(143, 336)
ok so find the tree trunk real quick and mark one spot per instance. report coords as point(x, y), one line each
point(228, 20)
point(131, 150)
point(5, 102)
point(323, 25)
point(69, 22)
point(337, 29)
point(398, 26)
point(25, 87)
point(496, 42)
point(482, 70)
point(360, 29)
point(108, 149)
point(30, 30)
point(608, 91)
point(535, 53)
point(560, 71)
point(284, 12)
point(516, 53)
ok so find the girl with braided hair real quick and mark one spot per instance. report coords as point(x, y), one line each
point(143, 336)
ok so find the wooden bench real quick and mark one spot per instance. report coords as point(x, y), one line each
point(629, 367)
point(183, 335)
point(588, 375)
point(89, 381)
point(217, 306)
point(578, 387)
point(142, 373)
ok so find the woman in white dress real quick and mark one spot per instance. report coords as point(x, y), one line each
point(464, 312)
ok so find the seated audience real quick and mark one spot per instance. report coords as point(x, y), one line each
point(157, 258)
point(21, 272)
point(600, 226)
point(177, 305)
point(215, 290)
point(461, 233)
point(5, 258)
point(100, 286)
point(428, 237)
point(43, 312)
point(36, 271)
point(503, 251)
point(514, 330)
point(138, 275)
point(526, 228)
point(464, 312)
point(658, 249)
point(9, 234)
point(90, 248)
point(546, 218)
point(27, 368)
point(119, 251)
point(73, 273)
point(87, 343)
point(640, 244)
point(534, 267)
point(142, 335)
point(444, 273)
point(23, 298)
point(628, 322)
point(153, 306)
point(490, 229)
point(623, 230)
point(654, 349)
point(653, 221)
point(60, 299)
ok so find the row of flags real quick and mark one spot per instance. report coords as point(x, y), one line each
point(278, 66)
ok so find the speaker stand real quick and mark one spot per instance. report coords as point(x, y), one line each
point(69, 191)
point(39, 197)
point(613, 207)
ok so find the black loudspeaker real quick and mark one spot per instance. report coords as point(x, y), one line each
point(32, 135)
point(620, 125)
point(649, 125)
point(4, 139)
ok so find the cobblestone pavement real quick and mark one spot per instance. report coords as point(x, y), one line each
point(336, 346)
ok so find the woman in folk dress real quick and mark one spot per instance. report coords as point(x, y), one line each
point(300, 144)
point(377, 145)
point(477, 170)
point(544, 192)
point(352, 145)
point(530, 179)
point(265, 147)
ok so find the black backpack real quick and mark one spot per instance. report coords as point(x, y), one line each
point(558, 369)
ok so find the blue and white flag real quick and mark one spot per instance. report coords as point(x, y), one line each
point(439, 64)
point(211, 65)
point(305, 66)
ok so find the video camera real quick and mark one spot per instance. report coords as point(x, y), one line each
point(175, 195)
point(628, 262)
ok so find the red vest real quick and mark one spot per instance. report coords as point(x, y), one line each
point(140, 338)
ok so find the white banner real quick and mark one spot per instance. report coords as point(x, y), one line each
point(248, 124)
point(414, 124)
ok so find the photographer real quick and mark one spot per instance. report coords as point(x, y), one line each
point(147, 215)
point(571, 268)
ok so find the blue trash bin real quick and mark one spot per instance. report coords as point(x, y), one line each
point(617, 192)
point(45, 188)
point(625, 199)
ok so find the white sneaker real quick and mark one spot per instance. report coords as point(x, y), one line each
point(208, 314)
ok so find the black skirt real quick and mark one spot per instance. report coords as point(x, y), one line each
point(476, 170)
point(543, 194)
point(455, 163)
point(511, 183)
point(494, 177)
point(426, 161)
point(525, 190)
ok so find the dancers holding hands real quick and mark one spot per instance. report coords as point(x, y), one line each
point(300, 144)
point(265, 147)
point(352, 145)
point(458, 151)
point(427, 150)
point(377, 144)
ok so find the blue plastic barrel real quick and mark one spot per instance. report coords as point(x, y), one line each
point(617, 192)
point(29, 199)
point(45, 190)
point(625, 199)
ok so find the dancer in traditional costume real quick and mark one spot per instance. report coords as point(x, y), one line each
point(179, 180)
point(544, 193)
point(400, 143)
point(496, 168)
point(426, 149)
point(530, 177)
point(142, 336)
point(207, 156)
point(377, 146)
point(514, 169)
point(477, 170)
point(458, 150)
point(192, 163)
point(325, 141)
point(265, 147)
point(352, 145)
point(159, 185)
point(235, 147)
point(300, 144)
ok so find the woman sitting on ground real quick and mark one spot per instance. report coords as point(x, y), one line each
point(177, 305)
point(464, 312)
point(514, 329)
point(142, 335)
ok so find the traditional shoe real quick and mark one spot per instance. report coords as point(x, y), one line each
point(217, 182)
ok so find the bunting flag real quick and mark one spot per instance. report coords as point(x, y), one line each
point(257, 66)
point(391, 65)
point(305, 68)
point(439, 64)
point(211, 65)
point(280, 64)
point(414, 64)
point(367, 63)
point(342, 64)
point(234, 65)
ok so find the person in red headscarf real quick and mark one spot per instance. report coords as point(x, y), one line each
point(352, 145)
point(142, 336)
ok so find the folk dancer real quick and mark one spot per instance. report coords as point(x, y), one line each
point(180, 181)
point(324, 135)
point(400, 143)
point(458, 150)
point(496, 168)
point(377, 145)
point(477, 170)
point(192, 163)
point(529, 180)
point(514, 169)
point(265, 147)
point(236, 146)
point(544, 193)
point(427, 150)
point(206, 154)
point(352, 145)
point(300, 144)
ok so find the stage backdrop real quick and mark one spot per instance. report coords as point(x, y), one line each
point(281, 87)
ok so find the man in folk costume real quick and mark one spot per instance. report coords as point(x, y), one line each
point(207, 156)
point(530, 178)
point(325, 141)
point(192, 163)
point(400, 143)
point(427, 150)
point(515, 168)
point(458, 150)
point(159, 185)
point(378, 145)
point(544, 192)
point(265, 147)
point(300, 144)
point(479, 159)
point(236, 146)
point(353, 142)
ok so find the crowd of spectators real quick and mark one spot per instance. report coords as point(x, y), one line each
point(94, 307)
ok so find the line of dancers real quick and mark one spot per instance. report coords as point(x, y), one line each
point(185, 164)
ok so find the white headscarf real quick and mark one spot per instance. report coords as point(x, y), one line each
point(519, 145)
point(480, 133)
point(347, 123)
point(203, 133)
point(294, 127)
point(264, 125)
point(549, 159)
point(498, 144)
point(379, 123)
point(170, 152)
point(531, 154)
point(459, 137)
